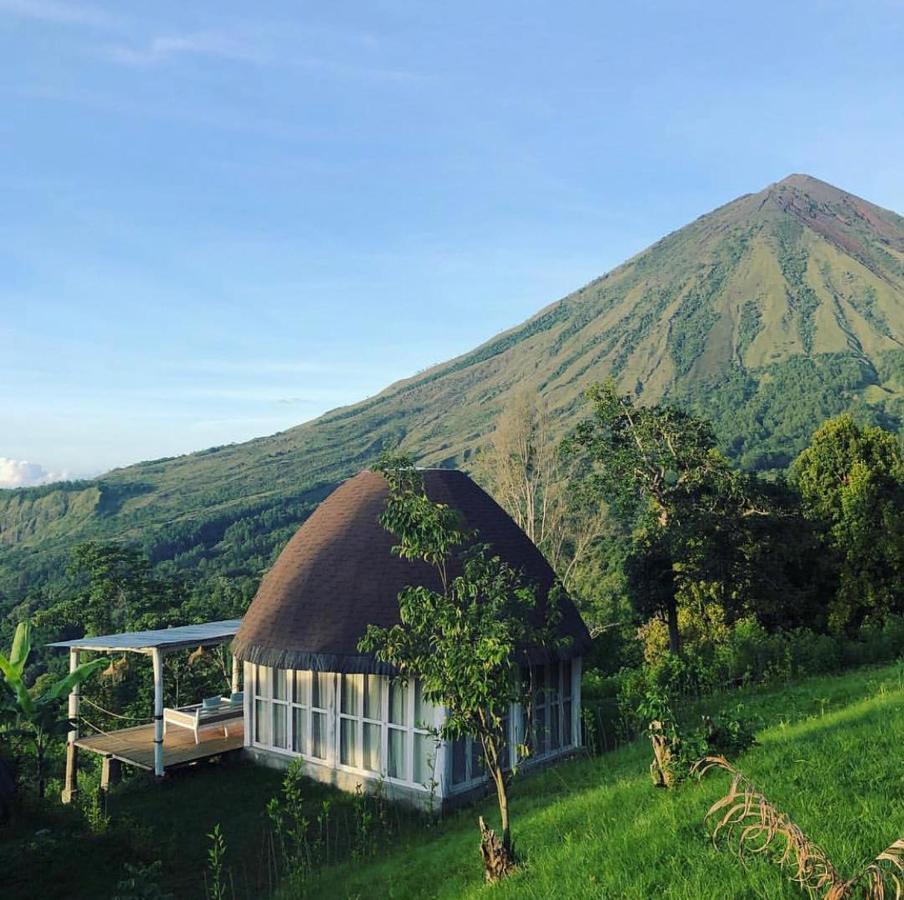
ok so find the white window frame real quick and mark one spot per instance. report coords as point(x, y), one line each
point(332, 718)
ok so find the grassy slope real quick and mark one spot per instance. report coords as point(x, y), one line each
point(830, 755)
point(798, 285)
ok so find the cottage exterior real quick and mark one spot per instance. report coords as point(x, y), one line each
point(310, 693)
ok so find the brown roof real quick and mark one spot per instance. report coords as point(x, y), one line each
point(338, 574)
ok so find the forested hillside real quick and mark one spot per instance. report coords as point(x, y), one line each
point(766, 316)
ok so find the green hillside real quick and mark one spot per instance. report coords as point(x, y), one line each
point(766, 315)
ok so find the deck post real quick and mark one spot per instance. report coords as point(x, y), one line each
point(70, 786)
point(157, 658)
point(236, 667)
point(110, 772)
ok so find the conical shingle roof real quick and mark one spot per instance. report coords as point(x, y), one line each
point(338, 574)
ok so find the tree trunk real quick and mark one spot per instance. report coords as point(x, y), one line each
point(498, 855)
point(674, 634)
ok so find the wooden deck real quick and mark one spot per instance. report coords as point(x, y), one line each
point(135, 746)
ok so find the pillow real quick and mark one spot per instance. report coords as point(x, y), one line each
point(237, 697)
point(210, 702)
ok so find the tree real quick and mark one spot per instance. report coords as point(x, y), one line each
point(537, 485)
point(466, 643)
point(37, 714)
point(658, 469)
point(851, 483)
point(113, 589)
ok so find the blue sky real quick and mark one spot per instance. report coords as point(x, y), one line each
point(221, 219)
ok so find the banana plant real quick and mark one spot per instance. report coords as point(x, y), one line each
point(37, 717)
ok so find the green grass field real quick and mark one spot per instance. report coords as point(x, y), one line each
point(830, 755)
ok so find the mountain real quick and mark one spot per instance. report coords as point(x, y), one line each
point(766, 315)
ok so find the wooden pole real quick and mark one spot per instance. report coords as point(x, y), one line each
point(236, 667)
point(157, 658)
point(70, 787)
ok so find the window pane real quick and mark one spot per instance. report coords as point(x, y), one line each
point(372, 747)
point(567, 739)
point(424, 759)
point(398, 703)
point(263, 681)
point(540, 730)
point(477, 760)
point(302, 687)
point(320, 689)
point(280, 686)
point(373, 708)
point(552, 682)
point(280, 726)
point(261, 721)
point(538, 676)
point(422, 710)
point(459, 761)
point(351, 690)
point(348, 742)
point(318, 735)
point(396, 767)
point(299, 744)
point(566, 678)
point(554, 727)
point(504, 750)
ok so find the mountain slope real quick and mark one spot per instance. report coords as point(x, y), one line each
point(767, 315)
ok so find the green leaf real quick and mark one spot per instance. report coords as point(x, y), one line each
point(21, 647)
point(77, 676)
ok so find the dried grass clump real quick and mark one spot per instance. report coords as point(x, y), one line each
point(752, 824)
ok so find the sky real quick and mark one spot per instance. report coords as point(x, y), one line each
point(221, 219)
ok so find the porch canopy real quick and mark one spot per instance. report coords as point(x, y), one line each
point(155, 643)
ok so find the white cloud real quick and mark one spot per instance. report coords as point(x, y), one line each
point(160, 49)
point(16, 473)
point(56, 13)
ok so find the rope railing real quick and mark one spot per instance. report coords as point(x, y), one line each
point(108, 712)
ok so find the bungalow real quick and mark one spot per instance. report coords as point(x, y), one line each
point(309, 693)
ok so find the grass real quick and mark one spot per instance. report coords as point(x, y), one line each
point(829, 755)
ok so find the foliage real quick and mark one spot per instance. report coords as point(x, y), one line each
point(142, 882)
point(216, 867)
point(530, 476)
point(38, 715)
point(753, 823)
point(691, 519)
point(467, 643)
point(593, 828)
point(851, 482)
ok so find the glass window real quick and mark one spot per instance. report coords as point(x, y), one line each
point(299, 744)
point(372, 734)
point(280, 684)
point(424, 759)
point(422, 711)
point(263, 681)
point(459, 761)
point(373, 697)
point(321, 689)
point(398, 703)
point(540, 730)
point(261, 722)
point(318, 735)
point(348, 743)
point(302, 687)
point(281, 726)
point(351, 691)
point(567, 738)
point(566, 678)
point(477, 759)
point(396, 767)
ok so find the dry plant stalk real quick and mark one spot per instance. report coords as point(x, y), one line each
point(661, 768)
point(754, 825)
